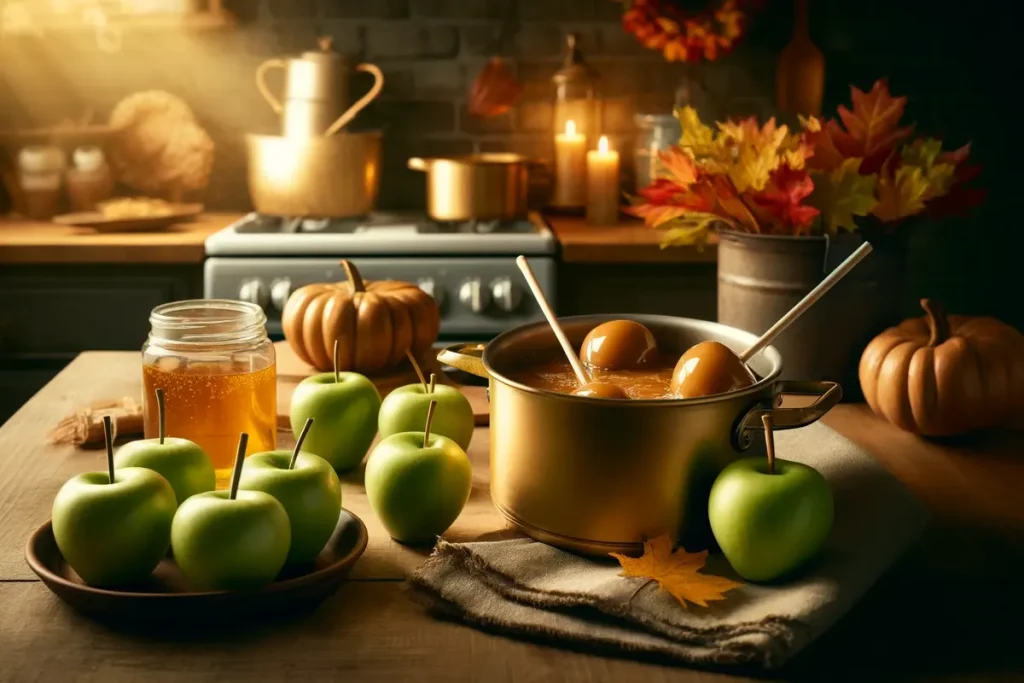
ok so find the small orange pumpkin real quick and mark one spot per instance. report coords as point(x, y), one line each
point(944, 375)
point(374, 323)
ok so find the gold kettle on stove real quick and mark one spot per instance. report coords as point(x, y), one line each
point(315, 90)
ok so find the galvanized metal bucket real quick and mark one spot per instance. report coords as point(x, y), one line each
point(760, 277)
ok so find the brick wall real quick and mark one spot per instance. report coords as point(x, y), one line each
point(430, 52)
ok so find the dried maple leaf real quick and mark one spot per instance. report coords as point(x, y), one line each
point(872, 126)
point(900, 193)
point(677, 572)
point(843, 194)
point(780, 203)
point(924, 154)
point(819, 135)
point(677, 166)
point(691, 228)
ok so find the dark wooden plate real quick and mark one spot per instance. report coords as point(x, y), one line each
point(100, 223)
point(166, 598)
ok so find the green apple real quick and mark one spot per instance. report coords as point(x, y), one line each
point(417, 483)
point(308, 488)
point(344, 406)
point(231, 540)
point(181, 462)
point(405, 410)
point(113, 528)
point(769, 524)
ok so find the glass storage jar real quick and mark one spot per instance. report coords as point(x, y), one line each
point(655, 132)
point(216, 365)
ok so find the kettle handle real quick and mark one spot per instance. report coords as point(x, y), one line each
point(378, 85)
point(261, 83)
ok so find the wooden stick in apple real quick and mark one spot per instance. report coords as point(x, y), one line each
point(769, 442)
point(236, 473)
point(334, 360)
point(298, 442)
point(432, 384)
point(418, 369)
point(587, 387)
point(108, 438)
point(161, 414)
point(430, 418)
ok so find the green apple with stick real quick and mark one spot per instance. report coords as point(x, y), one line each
point(231, 540)
point(405, 409)
point(344, 406)
point(181, 462)
point(417, 483)
point(308, 488)
point(114, 527)
point(769, 517)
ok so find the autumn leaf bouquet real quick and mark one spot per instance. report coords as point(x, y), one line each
point(765, 179)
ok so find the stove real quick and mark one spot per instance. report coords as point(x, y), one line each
point(467, 267)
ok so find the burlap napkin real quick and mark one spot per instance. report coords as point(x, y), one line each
point(522, 587)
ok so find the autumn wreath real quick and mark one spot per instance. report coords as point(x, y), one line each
point(682, 34)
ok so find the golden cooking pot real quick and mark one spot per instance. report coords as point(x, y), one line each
point(478, 186)
point(599, 476)
point(322, 177)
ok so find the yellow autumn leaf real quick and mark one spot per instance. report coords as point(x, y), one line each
point(695, 134)
point(843, 194)
point(923, 153)
point(689, 229)
point(677, 572)
point(901, 194)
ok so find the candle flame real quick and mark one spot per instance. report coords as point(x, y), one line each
point(570, 127)
point(602, 144)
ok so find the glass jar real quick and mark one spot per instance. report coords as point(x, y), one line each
point(216, 365)
point(655, 132)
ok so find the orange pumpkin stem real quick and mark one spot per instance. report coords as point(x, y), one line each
point(938, 322)
point(355, 280)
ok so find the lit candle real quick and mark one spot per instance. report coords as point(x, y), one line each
point(570, 167)
point(602, 184)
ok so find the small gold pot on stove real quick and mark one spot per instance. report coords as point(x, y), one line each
point(599, 476)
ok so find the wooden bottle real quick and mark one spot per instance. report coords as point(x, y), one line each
point(800, 74)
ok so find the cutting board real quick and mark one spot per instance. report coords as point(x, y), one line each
point(291, 370)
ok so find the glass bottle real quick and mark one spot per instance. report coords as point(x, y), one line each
point(216, 365)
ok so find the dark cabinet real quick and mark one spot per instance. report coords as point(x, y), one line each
point(49, 314)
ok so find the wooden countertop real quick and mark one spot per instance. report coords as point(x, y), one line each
point(946, 610)
point(627, 242)
point(32, 242)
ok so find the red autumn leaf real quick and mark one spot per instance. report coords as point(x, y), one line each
point(783, 196)
point(960, 199)
point(824, 157)
point(872, 126)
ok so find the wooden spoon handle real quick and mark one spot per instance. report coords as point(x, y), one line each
point(812, 297)
point(545, 308)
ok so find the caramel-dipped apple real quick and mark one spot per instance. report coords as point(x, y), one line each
point(709, 368)
point(588, 387)
point(619, 345)
point(600, 390)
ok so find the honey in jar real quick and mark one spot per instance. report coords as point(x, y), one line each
point(216, 365)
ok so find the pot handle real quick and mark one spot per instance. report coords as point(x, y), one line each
point(378, 85)
point(261, 82)
point(465, 357)
point(417, 164)
point(828, 393)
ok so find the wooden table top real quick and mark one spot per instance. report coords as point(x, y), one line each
point(34, 242)
point(627, 241)
point(945, 609)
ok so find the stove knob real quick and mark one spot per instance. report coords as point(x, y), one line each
point(254, 291)
point(474, 295)
point(505, 294)
point(434, 290)
point(280, 290)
